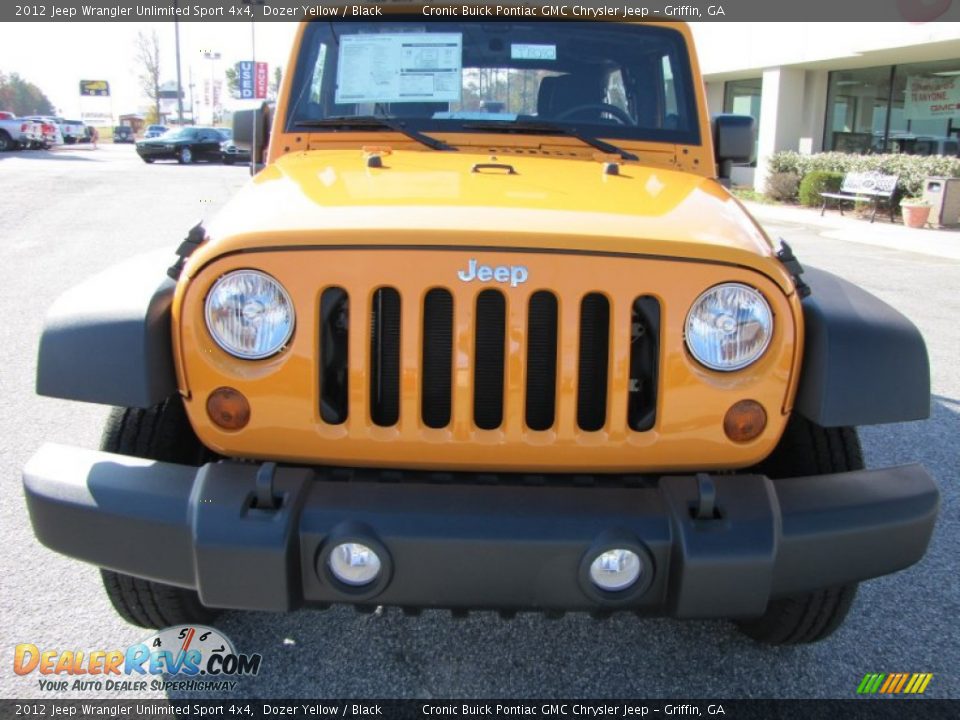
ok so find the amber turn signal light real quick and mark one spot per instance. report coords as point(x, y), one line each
point(228, 408)
point(744, 421)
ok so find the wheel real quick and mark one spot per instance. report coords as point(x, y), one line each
point(807, 449)
point(148, 161)
point(6, 142)
point(185, 157)
point(227, 160)
point(160, 433)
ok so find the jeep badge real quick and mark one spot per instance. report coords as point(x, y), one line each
point(514, 274)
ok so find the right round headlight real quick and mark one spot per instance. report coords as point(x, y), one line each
point(729, 327)
point(249, 314)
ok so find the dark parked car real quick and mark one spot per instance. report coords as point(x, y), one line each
point(123, 134)
point(185, 145)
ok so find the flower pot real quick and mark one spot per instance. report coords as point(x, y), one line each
point(915, 216)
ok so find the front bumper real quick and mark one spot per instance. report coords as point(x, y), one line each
point(477, 546)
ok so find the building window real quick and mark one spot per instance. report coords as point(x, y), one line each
point(909, 109)
point(742, 97)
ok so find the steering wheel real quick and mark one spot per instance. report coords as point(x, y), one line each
point(618, 114)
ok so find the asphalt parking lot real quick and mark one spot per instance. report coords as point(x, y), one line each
point(67, 214)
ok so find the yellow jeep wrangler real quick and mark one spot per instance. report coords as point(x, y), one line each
point(486, 331)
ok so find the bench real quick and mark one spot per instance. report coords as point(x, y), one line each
point(872, 187)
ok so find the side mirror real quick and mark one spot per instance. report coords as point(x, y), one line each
point(251, 131)
point(733, 141)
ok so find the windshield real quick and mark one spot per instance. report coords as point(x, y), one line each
point(612, 80)
point(179, 134)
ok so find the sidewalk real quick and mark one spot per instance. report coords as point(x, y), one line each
point(928, 241)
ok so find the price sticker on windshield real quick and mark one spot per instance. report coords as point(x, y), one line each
point(533, 52)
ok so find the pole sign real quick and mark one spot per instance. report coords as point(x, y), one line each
point(260, 85)
point(94, 88)
point(245, 77)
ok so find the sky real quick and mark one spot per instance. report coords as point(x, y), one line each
point(56, 56)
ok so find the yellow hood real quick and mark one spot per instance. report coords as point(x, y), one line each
point(331, 197)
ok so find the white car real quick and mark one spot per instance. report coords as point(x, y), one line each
point(73, 131)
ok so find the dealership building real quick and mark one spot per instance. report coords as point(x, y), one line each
point(852, 87)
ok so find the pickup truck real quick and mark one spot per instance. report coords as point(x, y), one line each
point(73, 131)
point(486, 332)
point(18, 132)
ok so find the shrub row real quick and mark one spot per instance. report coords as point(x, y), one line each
point(911, 169)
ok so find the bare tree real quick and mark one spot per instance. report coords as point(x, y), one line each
point(147, 57)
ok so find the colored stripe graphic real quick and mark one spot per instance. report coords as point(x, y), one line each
point(894, 683)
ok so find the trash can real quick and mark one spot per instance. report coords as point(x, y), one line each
point(944, 195)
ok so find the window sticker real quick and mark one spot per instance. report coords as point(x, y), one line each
point(405, 67)
point(533, 52)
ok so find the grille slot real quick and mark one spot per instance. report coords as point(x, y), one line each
point(594, 351)
point(644, 353)
point(385, 357)
point(437, 358)
point(488, 360)
point(541, 392)
point(334, 337)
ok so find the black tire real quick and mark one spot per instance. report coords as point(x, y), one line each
point(161, 433)
point(227, 160)
point(6, 142)
point(148, 161)
point(807, 449)
point(153, 605)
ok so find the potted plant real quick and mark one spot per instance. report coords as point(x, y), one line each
point(916, 211)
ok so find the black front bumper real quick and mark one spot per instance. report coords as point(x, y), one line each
point(477, 546)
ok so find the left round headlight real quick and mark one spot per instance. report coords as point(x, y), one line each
point(729, 327)
point(249, 314)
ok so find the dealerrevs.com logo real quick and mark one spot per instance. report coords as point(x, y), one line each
point(183, 657)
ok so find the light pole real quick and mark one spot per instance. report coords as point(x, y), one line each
point(213, 57)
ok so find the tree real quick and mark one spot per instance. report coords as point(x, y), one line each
point(233, 82)
point(21, 97)
point(273, 92)
point(147, 57)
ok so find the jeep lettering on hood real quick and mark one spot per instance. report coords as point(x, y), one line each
point(514, 274)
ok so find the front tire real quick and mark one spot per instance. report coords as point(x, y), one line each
point(162, 433)
point(6, 142)
point(185, 157)
point(807, 449)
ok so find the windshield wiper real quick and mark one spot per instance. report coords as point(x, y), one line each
point(541, 126)
point(373, 121)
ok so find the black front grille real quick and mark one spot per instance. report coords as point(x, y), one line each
point(436, 379)
point(594, 351)
point(385, 357)
point(488, 360)
point(541, 361)
point(489, 330)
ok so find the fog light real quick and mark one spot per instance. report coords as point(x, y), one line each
point(615, 569)
point(745, 420)
point(228, 408)
point(354, 564)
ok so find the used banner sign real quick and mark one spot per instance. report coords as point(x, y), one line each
point(252, 79)
point(930, 98)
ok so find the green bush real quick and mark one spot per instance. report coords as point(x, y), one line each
point(911, 169)
point(816, 182)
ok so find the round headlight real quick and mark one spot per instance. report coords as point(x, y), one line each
point(729, 327)
point(249, 314)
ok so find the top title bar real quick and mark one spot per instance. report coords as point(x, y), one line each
point(914, 11)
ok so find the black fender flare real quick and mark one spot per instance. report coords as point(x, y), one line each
point(108, 340)
point(864, 363)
